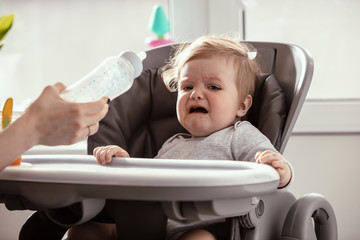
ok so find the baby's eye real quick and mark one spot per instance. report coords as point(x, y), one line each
point(214, 87)
point(187, 88)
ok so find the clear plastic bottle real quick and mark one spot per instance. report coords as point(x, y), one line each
point(114, 76)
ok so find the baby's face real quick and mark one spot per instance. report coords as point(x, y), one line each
point(208, 98)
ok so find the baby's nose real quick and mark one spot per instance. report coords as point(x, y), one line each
point(197, 95)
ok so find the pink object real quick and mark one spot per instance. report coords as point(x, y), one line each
point(158, 42)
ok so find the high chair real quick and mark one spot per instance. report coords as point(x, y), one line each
point(239, 200)
point(143, 118)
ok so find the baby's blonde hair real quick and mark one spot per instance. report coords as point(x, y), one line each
point(206, 47)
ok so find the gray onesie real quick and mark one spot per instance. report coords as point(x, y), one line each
point(239, 142)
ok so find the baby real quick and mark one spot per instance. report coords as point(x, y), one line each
point(215, 80)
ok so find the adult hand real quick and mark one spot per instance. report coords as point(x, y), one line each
point(59, 122)
point(51, 121)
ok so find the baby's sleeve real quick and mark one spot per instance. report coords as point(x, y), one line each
point(247, 140)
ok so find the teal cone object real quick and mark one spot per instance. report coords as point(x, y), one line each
point(159, 23)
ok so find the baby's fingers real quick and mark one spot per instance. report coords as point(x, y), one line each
point(258, 156)
point(96, 153)
point(121, 153)
point(105, 154)
point(114, 151)
point(101, 154)
point(279, 164)
point(266, 157)
point(108, 153)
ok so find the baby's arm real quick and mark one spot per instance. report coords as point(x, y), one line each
point(104, 154)
point(277, 161)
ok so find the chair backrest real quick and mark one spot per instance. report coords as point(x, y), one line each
point(143, 118)
point(293, 67)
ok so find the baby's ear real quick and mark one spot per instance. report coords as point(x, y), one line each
point(244, 106)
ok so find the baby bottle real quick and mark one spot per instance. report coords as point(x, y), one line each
point(114, 76)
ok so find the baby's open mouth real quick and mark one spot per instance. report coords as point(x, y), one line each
point(198, 110)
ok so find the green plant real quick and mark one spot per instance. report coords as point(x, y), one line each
point(5, 25)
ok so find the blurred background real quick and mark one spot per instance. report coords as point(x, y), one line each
point(53, 40)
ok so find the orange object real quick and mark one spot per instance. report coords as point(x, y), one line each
point(16, 162)
point(6, 114)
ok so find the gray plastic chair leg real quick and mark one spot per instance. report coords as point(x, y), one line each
point(309, 210)
point(266, 221)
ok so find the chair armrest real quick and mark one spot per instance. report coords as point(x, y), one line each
point(311, 207)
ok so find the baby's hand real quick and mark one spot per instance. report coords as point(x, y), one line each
point(278, 162)
point(104, 154)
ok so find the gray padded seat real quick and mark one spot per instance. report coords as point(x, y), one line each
point(143, 118)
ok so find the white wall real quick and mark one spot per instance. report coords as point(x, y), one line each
point(56, 40)
point(328, 29)
point(329, 165)
point(62, 41)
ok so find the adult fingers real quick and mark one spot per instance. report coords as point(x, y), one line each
point(92, 129)
point(59, 87)
point(96, 114)
point(94, 107)
point(84, 132)
point(94, 118)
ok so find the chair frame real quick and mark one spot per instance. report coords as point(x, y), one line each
point(293, 67)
